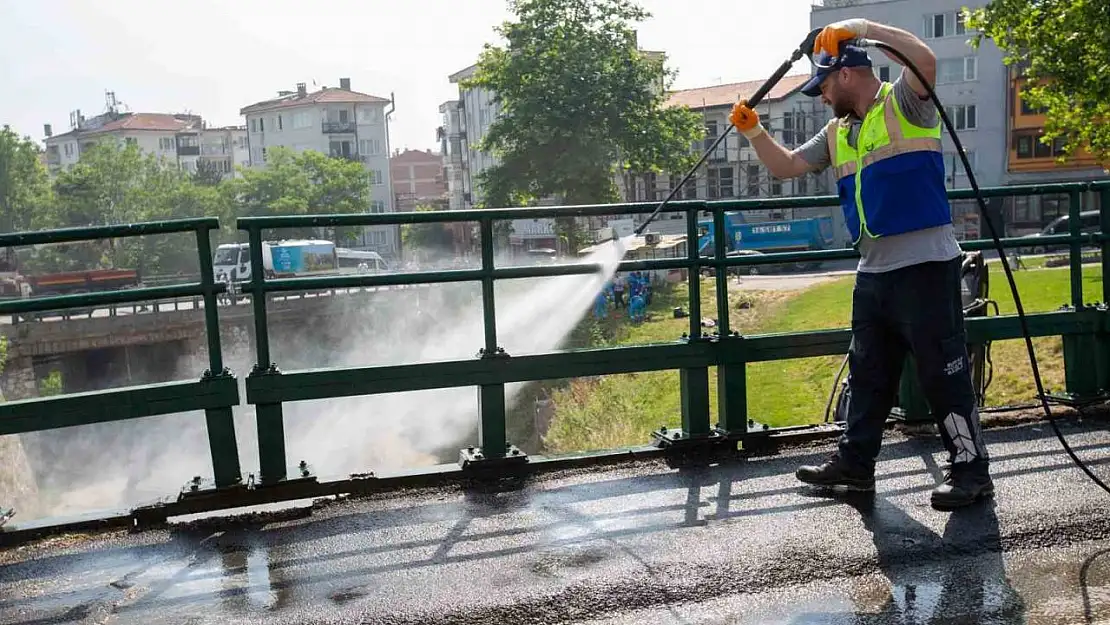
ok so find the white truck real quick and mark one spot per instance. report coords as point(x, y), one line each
point(287, 259)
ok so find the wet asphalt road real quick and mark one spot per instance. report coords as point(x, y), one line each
point(638, 543)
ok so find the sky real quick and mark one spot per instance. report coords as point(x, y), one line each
point(213, 57)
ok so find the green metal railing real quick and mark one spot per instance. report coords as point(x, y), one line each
point(268, 387)
point(215, 393)
point(1085, 330)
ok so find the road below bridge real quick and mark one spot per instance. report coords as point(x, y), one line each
point(628, 543)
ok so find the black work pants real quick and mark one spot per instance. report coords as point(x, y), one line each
point(919, 310)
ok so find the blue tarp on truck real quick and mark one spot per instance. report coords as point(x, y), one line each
point(794, 235)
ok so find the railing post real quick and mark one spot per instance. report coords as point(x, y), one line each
point(693, 381)
point(268, 417)
point(491, 397)
point(732, 383)
point(1082, 381)
point(220, 421)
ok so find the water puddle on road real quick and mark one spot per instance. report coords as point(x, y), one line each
point(1036, 587)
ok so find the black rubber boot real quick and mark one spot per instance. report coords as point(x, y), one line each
point(836, 472)
point(964, 484)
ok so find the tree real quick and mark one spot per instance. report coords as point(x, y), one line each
point(1063, 46)
point(116, 183)
point(580, 104)
point(24, 184)
point(299, 184)
point(430, 238)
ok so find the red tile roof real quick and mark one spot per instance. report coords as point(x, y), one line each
point(147, 121)
point(416, 156)
point(727, 95)
point(325, 95)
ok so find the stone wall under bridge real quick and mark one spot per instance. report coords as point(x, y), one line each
point(129, 349)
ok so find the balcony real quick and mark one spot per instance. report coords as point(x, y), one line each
point(347, 127)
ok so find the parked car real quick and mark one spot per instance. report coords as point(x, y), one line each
point(1088, 223)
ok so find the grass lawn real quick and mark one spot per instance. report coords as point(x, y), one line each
point(620, 410)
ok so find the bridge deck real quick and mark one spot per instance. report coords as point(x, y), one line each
point(635, 543)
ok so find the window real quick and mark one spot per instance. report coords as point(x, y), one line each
point(937, 25)
point(301, 119)
point(370, 147)
point(957, 70)
point(377, 206)
point(1025, 146)
point(130, 140)
point(776, 186)
point(261, 124)
point(1026, 109)
point(263, 154)
point(801, 185)
point(882, 72)
point(279, 126)
point(963, 116)
point(379, 238)
point(340, 148)
point(376, 177)
point(1058, 146)
point(753, 180)
point(369, 115)
point(70, 148)
point(254, 125)
point(188, 141)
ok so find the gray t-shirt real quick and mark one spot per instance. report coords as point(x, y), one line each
point(892, 252)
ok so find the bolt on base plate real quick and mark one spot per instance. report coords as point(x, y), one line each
point(472, 458)
point(676, 438)
point(5, 515)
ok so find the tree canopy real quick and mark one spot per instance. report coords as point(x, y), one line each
point(24, 184)
point(579, 104)
point(115, 182)
point(1063, 47)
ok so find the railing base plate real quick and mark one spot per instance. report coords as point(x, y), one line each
point(472, 458)
point(677, 439)
point(1076, 400)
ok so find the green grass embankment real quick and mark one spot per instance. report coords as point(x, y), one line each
point(620, 410)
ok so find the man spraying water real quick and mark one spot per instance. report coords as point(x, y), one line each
point(885, 149)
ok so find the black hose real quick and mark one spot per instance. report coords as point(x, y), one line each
point(998, 246)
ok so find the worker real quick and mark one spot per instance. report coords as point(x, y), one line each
point(636, 308)
point(884, 145)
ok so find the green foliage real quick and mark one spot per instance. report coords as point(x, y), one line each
point(300, 184)
point(116, 183)
point(579, 104)
point(427, 238)
point(24, 185)
point(51, 384)
point(1065, 43)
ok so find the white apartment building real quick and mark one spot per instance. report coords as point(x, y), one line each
point(466, 122)
point(338, 122)
point(180, 139)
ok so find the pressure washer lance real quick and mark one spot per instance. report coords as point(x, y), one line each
point(753, 101)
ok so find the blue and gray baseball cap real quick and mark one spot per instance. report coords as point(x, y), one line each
point(850, 56)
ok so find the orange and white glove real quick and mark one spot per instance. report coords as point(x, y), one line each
point(831, 36)
point(746, 120)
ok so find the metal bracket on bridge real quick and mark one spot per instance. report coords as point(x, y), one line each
point(472, 458)
point(679, 440)
point(5, 515)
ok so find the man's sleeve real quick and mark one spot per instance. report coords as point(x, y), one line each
point(918, 111)
point(815, 152)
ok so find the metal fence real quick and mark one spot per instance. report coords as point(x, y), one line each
point(1083, 327)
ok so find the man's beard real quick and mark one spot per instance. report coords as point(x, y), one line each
point(842, 108)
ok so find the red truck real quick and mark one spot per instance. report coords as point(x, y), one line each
point(13, 284)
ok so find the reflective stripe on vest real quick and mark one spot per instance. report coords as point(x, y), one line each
point(882, 139)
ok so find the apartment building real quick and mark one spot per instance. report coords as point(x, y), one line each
point(339, 122)
point(466, 121)
point(179, 139)
point(418, 179)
